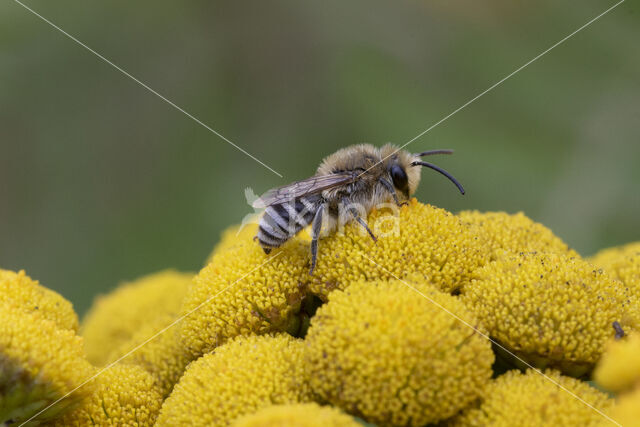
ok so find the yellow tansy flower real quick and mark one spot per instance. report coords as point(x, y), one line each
point(244, 291)
point(238, 378)
point(124, 395)
point(531, 400)
point(23, 293)
point(623, 263)
point(39, 364)
point(385, 353)
point(297, 415)
point(515, 233)
point(115, 318)
point(163, 356)
point(421, 239)
point(619, 367)
point(232, 236)
point(552, 310)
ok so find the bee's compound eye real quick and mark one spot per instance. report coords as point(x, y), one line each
point(399, 176)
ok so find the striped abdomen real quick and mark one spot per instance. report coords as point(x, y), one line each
point(281, 222)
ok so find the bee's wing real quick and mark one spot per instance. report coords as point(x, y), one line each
point(312, 185)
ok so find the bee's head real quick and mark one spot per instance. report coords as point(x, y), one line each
point(404, 168)
point(403, 176)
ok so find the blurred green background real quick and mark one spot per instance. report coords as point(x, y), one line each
point(101, 181)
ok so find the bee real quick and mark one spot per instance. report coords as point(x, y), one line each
point(346, 187)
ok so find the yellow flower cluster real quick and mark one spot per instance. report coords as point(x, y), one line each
point(535, 400)
point(551, 310)
point(45, 375)
point(397, 355)
point(297, 415)
point(41, 357)
point(422, 239)
point(156, 347)
point(619, 368)
point(25, 294)
point(238, 378)
point(392, 332)
point(244, 291)
point(623, 263)
point(114, 319)
point(513, 234)
point(124, 395)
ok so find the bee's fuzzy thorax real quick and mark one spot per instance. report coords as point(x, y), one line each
point(354, 157)
point(372, 163)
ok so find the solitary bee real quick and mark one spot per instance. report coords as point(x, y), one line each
point(346, 186)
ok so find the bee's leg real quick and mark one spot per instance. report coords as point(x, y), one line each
point(356, 215)
point(386, 184)
point(316, 227)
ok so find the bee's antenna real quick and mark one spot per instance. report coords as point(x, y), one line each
point(442, 171)
point(432, 152)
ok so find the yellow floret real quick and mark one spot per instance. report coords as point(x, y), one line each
point(114, 318)
point(158, 350)
point(23, 293)
point(239, 378)
point(531, 400)
point(124, 395)
point(297, 415)
point(623, 263)
point(515, 233)
point(619, 367)
point(390, 355)
point(551, 310)
point(39, 364)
